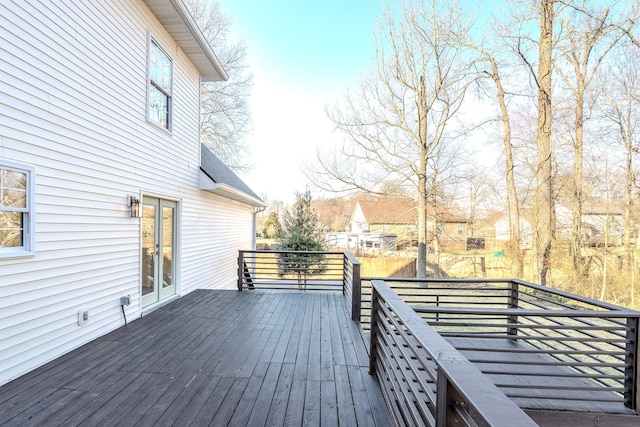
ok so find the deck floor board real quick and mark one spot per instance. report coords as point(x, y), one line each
point(211, 358)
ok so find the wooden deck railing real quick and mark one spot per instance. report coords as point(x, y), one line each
point(561, 346)
point(425, 381)
point(543, 349)
point(291, 270)
point(336, 271)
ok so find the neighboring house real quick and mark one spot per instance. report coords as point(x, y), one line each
point(596, 218)
point(369, 243)
point(386, 215)
point(99, 110)
point(396, 215)
point(452, 229)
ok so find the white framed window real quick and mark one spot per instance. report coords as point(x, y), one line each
point(159, 108)
point(17, 209)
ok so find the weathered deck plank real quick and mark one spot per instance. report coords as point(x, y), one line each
point(212, 358)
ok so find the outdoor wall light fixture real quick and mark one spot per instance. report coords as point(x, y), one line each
point(134, 203)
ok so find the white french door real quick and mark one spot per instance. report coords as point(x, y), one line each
point(158, 249)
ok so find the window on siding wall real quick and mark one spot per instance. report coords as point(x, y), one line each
point(160, 86)
point(16, 210)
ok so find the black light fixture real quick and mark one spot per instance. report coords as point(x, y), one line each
point(134, 203)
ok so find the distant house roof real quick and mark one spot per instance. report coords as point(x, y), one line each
point(217, 178)
point(390, 210)
point(401, 210)
point(174, 16)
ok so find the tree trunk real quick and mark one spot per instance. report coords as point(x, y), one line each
point(605, 251)
point(628, 198)
point(422, 182)
point(422, 228)
point(544, 204)
point(576, 234)
point(628, 202)
point(513, 206)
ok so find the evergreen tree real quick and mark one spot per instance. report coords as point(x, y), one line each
point(272, 227)
point(300, 234)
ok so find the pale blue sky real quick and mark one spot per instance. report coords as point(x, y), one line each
point(303, 55)
point(306, 42)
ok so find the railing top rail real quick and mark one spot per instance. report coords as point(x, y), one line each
point(526, 312)
point(569, 295)
point(432, 280)
point(291, 252)
point(494, 407)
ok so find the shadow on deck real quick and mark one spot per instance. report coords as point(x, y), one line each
point(212, 358)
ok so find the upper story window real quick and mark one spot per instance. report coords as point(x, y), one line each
point(16, 210)
point(160, 86)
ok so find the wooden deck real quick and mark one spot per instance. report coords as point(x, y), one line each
point(257, 358)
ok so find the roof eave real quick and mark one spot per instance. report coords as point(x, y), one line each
point(207, 184)
point(177, 20)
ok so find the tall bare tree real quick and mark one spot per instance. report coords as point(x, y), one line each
point(544, 223)
point(401, 112)
point(226, 118)
point(583, 49)
point(489, 68)
point(622, 108)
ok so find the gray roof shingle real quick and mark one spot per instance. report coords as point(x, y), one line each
point(219, 173)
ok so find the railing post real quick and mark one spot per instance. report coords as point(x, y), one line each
point(631, 374)
point(356, 293)
point(345, 272)
point(240, 270)
point(513, 304)
point(442, 399)
point(373, 333)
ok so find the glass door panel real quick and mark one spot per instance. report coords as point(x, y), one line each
point(168, 244)
point(149, 251)
point(158, 249)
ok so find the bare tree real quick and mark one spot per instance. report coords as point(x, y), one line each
point(488, 67)
point(623, 110)
point(401, 112)
point(584, 30)
point(544, 223)
point(225, 114)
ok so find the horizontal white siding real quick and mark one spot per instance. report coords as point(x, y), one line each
point(218, 228)
point(73, 104)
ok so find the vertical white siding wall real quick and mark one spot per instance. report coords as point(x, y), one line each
point(73, 104)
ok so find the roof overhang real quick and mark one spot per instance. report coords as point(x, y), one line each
point(177, 20)
point(207, 184)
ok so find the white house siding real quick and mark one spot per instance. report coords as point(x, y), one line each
point(359, 222)
point(212, 239)
point(73, 105)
